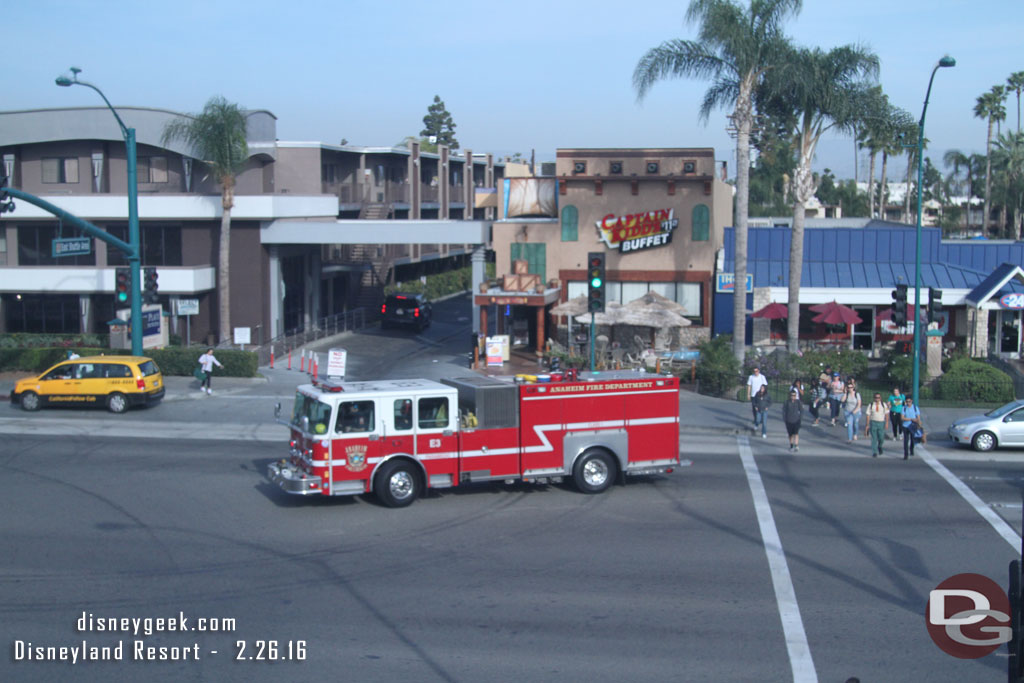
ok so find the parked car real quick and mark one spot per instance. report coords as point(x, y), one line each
point(410, 310)
point(114, 382)
point(1003, 426)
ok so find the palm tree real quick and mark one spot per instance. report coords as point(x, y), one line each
point(908, 131)
point(217, 136)
point(823, 91)
point(1015, 83)
point(871, 134)
point(989, 106)
point(960, 162)
point(734, 48)
point(1008, 163)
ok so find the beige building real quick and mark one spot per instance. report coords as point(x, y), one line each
point(658, 214)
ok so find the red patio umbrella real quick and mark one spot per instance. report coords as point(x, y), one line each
point(837, 314)
point(772, 311)
point(818, 308)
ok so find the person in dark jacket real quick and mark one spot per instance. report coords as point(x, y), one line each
point(792, 414)
point(760, 403)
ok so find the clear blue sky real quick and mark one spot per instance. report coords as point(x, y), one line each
point(516, 76)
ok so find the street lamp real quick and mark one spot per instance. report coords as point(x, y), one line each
point(946, 61)
point(133, 210)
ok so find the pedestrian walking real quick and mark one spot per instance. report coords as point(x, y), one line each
point(912, 427)
point(835, 396)
point(755, 381)
point(819, 401)
point(877, 414)
point(798, 387)
point(760, 404)
point(895, 402)
point(207, 361)
point(792, 415)
point(851, 410)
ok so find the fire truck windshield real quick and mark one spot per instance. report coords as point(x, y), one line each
point(319, 413)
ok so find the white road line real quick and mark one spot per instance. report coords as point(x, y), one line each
point(785, 596)
point(997, 522)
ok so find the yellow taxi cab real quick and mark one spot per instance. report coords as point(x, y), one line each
point(115, 382)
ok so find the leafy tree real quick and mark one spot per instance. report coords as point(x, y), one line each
point(824, 91)
point(734, 48)
point(439, 123)
point(989, 106)
point(217, 136)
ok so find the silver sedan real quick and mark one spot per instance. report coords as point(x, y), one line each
point(1000, 427)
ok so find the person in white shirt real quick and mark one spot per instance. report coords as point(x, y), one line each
point(754, 383)
point(207, 361)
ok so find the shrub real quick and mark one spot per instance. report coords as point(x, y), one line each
point(900, 369)
point(970, 380)
point(172, 361)
point(718, 371)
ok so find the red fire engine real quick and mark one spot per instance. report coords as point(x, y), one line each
point(397, 438)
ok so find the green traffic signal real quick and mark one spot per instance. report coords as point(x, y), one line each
point(595, 283)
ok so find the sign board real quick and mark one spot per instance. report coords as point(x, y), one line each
point(155, 333)
point(243, 335)
point(71, 246)
point(1012, 301)
point(725, 283)
point(188, 307)
point(336, 360)
point(495, 350)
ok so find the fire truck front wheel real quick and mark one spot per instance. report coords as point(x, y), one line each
point(397, 484)
point(594, 472)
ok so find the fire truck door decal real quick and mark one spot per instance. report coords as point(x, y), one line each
point(356, 446)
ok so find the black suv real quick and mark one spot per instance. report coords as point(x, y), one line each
point(405, 309)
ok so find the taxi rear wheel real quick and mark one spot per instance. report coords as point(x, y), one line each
point(397, 484)
point(117, 403)
point(30, 401)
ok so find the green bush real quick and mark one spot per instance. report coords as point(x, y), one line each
point(970, 380)
point(900, 369)
point(25, 340)
point(718, 371)
point(172, 361)
point(437, 285)
point(847, 362)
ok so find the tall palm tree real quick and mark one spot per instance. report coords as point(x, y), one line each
point(960, 162)
point(734, 48)
point(1015, 83)
point(989, 106)
point(1008, 164)
point(217, 136)
point(823, 91)
point(907, 131)
point(871, 134)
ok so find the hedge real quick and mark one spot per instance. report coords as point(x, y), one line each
point(970, 380)
point(718, 370)
point(172, 361)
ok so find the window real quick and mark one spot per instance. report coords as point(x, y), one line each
point(433, 413)
point(159, 245)
point(615, 168)
point(652, 166)
point(403, 414)
point(533, 253)
point(689, 295)
point(701, 223)
point(355, 416)
point(329, 173)
point(47, 313)
point(151, 170)
point(579, 167)
point(60, 170)
point(689, 167)
point(570, 224)
point(118, 370)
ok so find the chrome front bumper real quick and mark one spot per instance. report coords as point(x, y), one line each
point(292, 480)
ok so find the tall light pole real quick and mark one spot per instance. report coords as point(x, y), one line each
point(133, 211)
point(946, 61)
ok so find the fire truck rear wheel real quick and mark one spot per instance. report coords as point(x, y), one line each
point(398, 484)
point(594, 472)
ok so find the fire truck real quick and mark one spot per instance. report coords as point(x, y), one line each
point(398, 438)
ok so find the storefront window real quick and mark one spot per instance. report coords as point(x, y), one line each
point(688, 294)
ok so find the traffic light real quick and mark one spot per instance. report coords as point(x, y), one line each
point(934, 304)
point(899, 306)
point(595, 282)
point(150, 286)
point(122, 285)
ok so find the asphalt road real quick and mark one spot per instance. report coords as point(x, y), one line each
point(752, 564)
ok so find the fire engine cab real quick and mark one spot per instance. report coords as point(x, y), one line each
point(397, 438)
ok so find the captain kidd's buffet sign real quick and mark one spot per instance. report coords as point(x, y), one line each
point(637, 231)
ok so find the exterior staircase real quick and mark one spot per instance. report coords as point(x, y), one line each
point(371, 283)
point(375, 211)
